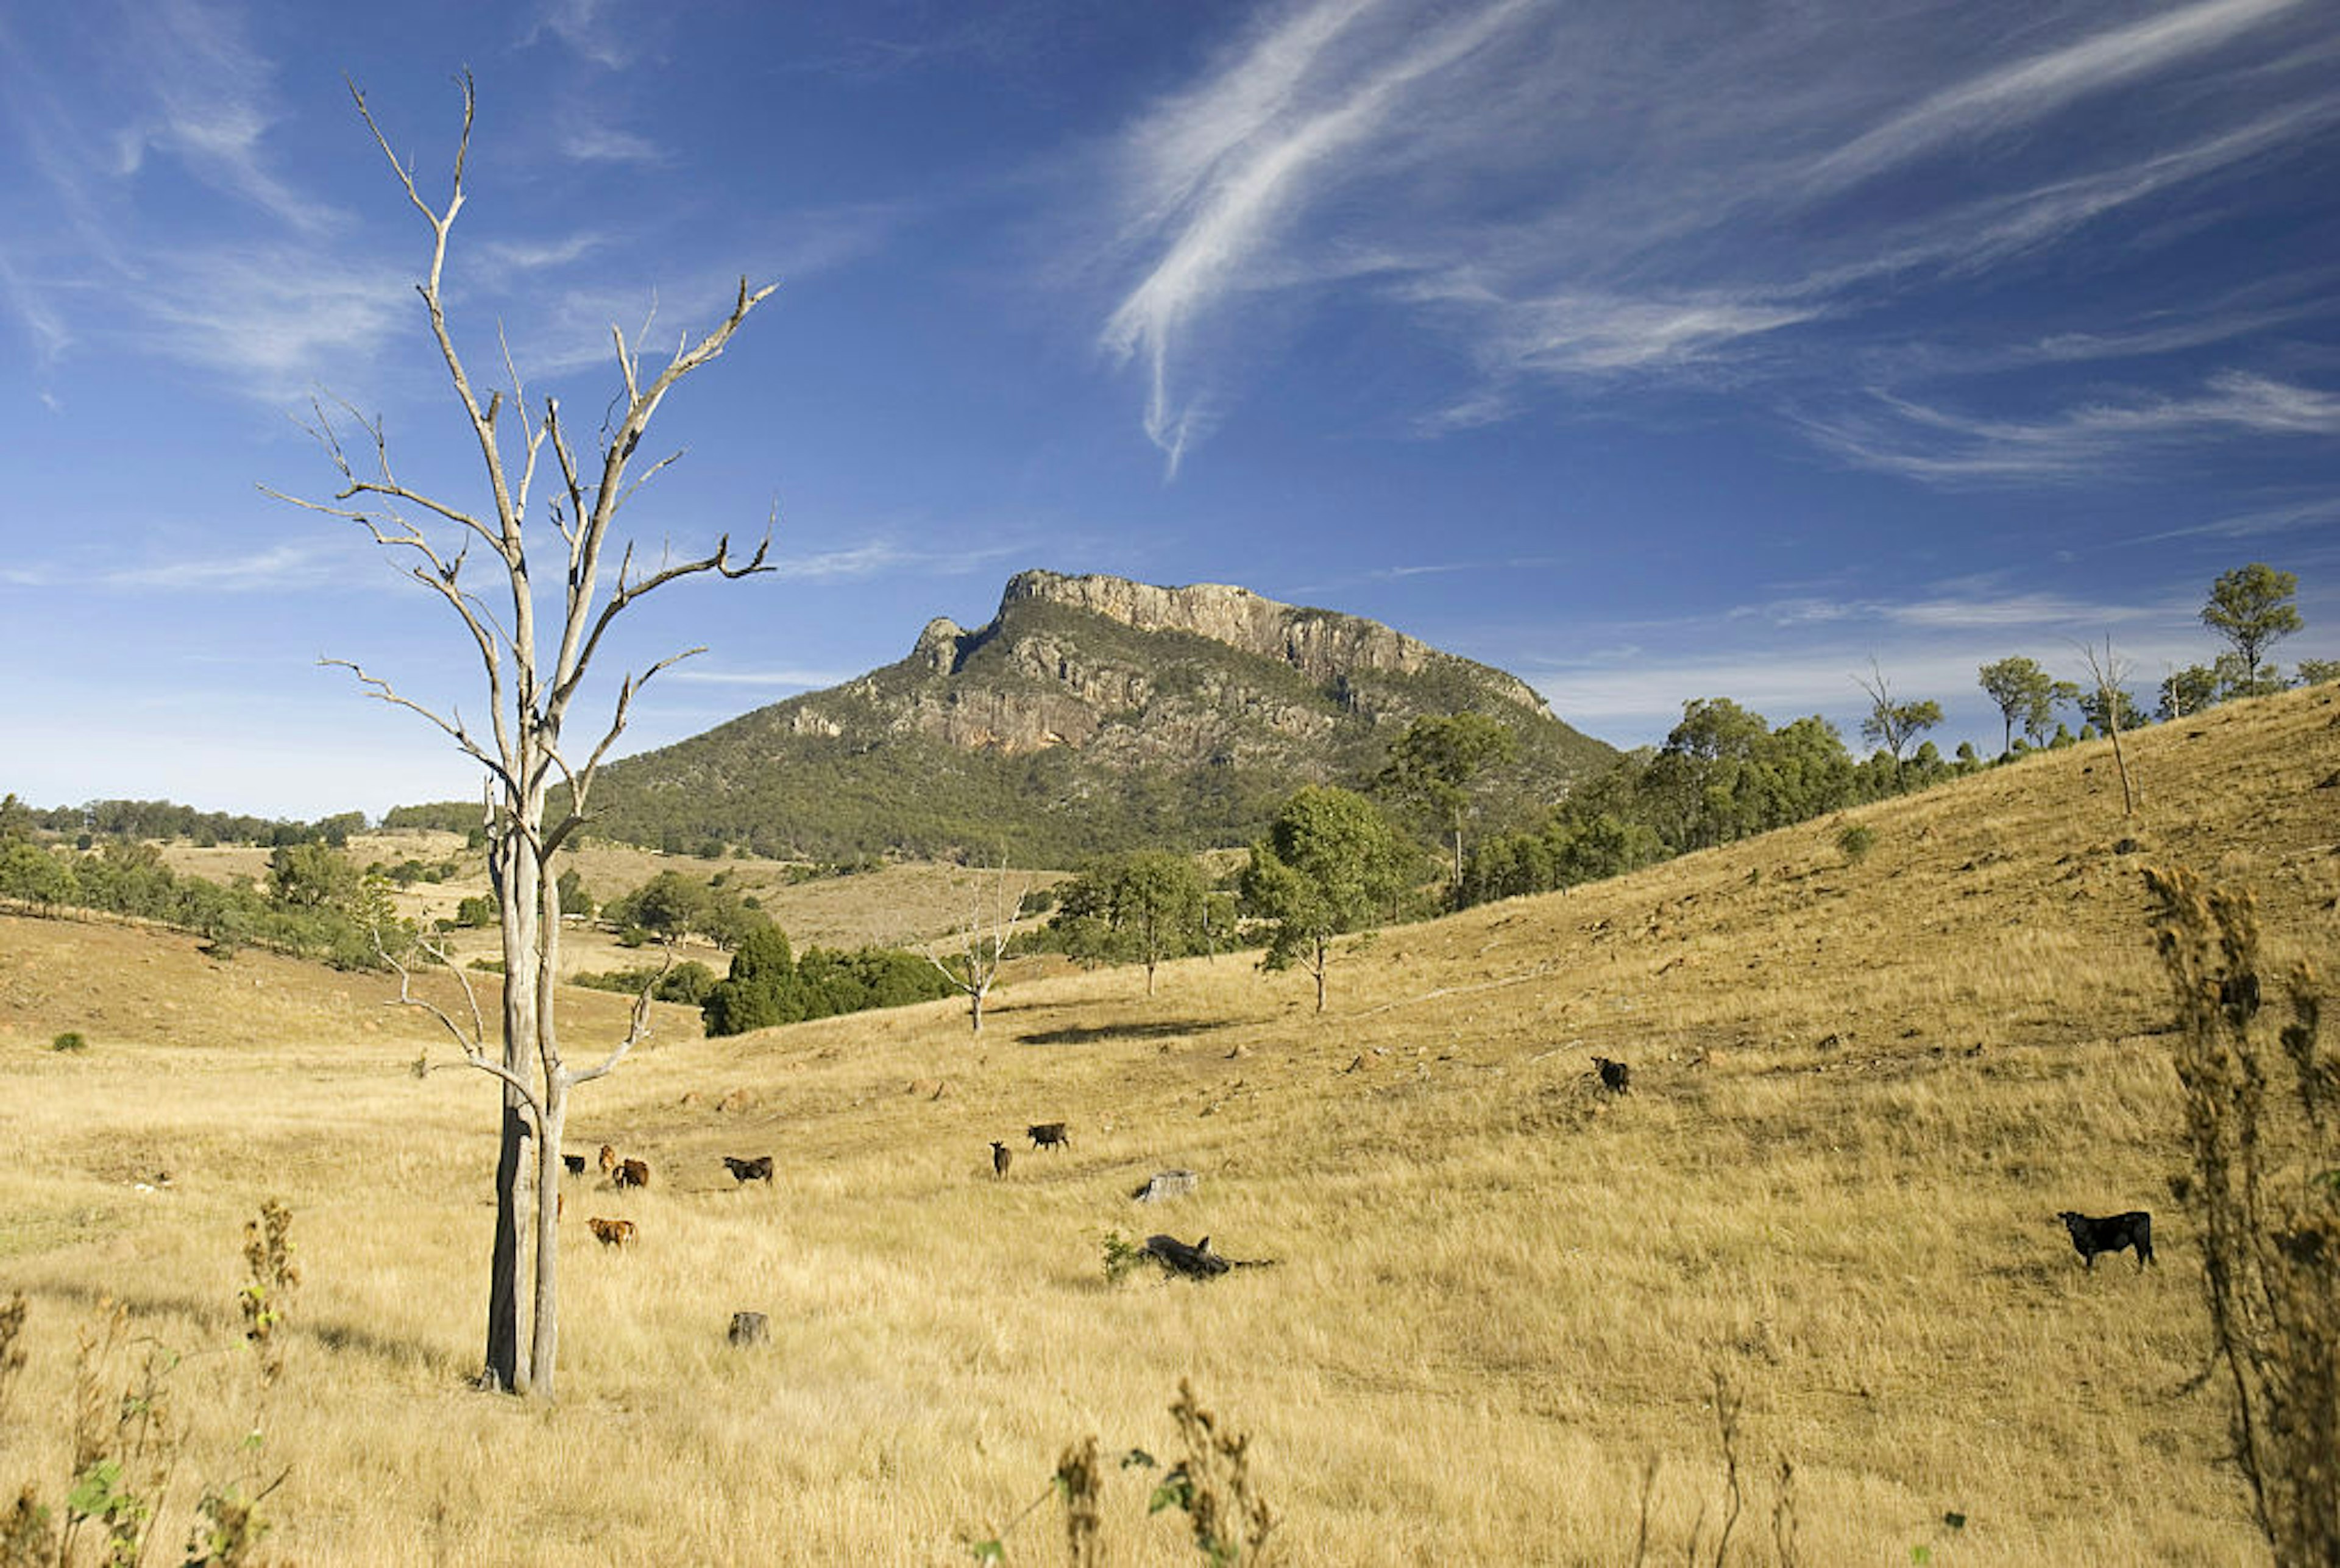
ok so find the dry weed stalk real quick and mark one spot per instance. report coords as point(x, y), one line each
point(1213, 1484)
point(1083, 1486)
point(126, 1445)
point(2266, 1192)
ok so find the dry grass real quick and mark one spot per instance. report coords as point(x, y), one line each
point(894, 905)
point(1862, 1093)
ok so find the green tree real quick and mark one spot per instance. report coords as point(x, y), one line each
point(2025, 694)
point(760, 990)
point(1329, 865)
point(1158, 907)
point(669, 906)
point(1893, 725)
point(2251, 607)
point(574, 898)
point(2108, 707)
point(2316, 671)
point(311, 876)
point(1437, 761)
point(2187, 690)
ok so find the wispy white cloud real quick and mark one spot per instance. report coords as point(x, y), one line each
point(598, 143)
point(212, 106)
point(2010, 96)
point(275, 321)
point(605, 34)
point(2088, 441)
point(1576, 195)
point(795, 680)
point(269, 569)
point(1222, 173)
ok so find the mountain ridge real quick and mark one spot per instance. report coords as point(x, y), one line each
point(1090, 713)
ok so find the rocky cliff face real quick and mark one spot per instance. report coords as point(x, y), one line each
point(1093, 711)
point(1325, 646)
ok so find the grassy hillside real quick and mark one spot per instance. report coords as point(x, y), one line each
point(1862, 1091)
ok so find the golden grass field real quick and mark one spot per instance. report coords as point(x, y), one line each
point(1862, 1093)
point(911, 905)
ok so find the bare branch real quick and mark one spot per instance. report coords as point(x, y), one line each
point(453, 729)
point(474, 1045)
point(637, 1031)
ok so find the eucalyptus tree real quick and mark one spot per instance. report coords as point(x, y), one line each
point(2251, 606)
point(1329, 864)
point(534, 647)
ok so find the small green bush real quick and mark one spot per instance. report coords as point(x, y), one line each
point(69, 1041)
point(1854, 842)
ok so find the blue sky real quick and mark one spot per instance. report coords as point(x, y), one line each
point(1649, 349)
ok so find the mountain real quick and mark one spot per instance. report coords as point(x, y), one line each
point(1090, 714)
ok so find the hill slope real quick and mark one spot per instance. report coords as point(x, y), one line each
point(1090, 714)
point(1862, 1092)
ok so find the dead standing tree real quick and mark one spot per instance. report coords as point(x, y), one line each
point(973, 969)
point(531, 690)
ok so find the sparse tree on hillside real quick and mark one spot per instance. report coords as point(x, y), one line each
point(2025, 694)
point(1890, 724)
point(1434, 763)
point(1329, 865)
point(982, 945)
point(2316, 671)
point(2251, 607)
point(1146, 908)
point(2187, 690)
point(534, 676)
point(2115, 707)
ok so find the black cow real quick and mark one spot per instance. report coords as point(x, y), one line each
point(575, 1164)
point(744, 1171)
point(1049, 1136)
point(1615, 1077)
point(2110, 1234)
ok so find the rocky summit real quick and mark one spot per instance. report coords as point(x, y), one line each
point(1090, 714)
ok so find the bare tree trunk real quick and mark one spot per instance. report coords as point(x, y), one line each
point(529, 695)
point(506, 1368)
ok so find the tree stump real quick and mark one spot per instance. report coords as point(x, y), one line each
point(1167, 1184)
point(750, 1328)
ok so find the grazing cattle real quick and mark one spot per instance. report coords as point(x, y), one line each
point(612, 1231)
point(573, 1164)
point(744, 1171)
point(1049, 1136)
point(609, 1159)
point(1000, 1155)
point(631, 1172)
point(2110, 1234)
point(1617, 1078)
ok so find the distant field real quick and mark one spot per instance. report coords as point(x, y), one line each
point(907, 905)
point(1862, 1093)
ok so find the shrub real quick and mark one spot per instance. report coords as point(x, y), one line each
point(69, 1041)
point(1855, 841)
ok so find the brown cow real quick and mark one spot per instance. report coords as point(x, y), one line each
point(1000, 1155)
point(612, 1231)
point(609, 1159)
point(744, 1171)
point(632, 1173)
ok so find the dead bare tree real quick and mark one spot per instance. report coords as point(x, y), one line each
point(982, 945)
point(2108, 671)
point(530, 689)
